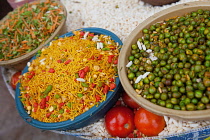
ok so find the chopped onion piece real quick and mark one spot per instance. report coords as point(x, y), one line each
point(145, 74)
point(149, 50)
point(143, 46)
point(138, 79)
point(139, 45)
point(80, 79)
point(86, 34)
point(101, 45)
point(98, 45)
point(95, 38)
point(129, 64)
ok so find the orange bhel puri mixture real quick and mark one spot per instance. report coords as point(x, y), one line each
point(69, 77)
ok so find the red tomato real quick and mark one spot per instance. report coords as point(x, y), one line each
point(148, 123)
point(129, 101)
point(14, 79)
point(119, 121)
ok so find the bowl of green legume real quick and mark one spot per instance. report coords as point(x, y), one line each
point(27, 29)
point(165, 62)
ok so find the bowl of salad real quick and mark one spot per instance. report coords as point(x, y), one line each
point(27, 29)
point(164, 63)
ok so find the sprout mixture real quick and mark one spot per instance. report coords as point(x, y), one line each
point(170, 64)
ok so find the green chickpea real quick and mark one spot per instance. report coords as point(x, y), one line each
point(151, 76)
point(131, 58)
point(201, 86)
point(169, 105)
point(189, 88)
point(131, 76)
point(149, 96)
point(176, 95)
point(152, 89)
point(190, 107)
point(134, 47)
point(162, 103)
point(177, 107)
point(157, 95)
point(136, 61)
point(198, 93)
point(177, 76)
point(164, 96)
point(174, 101)
point(194, 101)
point(154, 101)
point(205, 100)
point(201, 106)
point(190, 94)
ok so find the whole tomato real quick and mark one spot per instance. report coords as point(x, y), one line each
point(14, 79)
point(148, 123)
point(119, 121)
point(129, 101)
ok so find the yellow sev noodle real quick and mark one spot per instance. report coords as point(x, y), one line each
point(66, 90)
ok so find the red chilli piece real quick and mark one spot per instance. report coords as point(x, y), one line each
point(98, 98)
point(47, 98)
point(61, 104)
point(46, 105)
point(48, 114)
point(110, 57)
point(90, 34)
point(93, 85)
point(67, 62)
point(35, 109)
point(43, 101)
point(42, 106)
point(82, 101)
point(100, 57)
point(105, 89)
point(111, 79)
point(67, 110)
point(27, 96)
point(32, 72)
point(51, 70)
point(59, 61)
point(81, 73)
point(35, 105)
point(30, 76)
point(112, 47)
point(82, 33)
point(91, 58)
point(115, 61)
point(86, 69)
point(112, 86)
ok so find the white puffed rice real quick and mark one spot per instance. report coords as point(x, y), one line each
point(133, 13)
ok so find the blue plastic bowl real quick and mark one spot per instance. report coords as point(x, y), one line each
point(90, 116)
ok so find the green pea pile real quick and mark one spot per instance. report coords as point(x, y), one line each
point(180, 76)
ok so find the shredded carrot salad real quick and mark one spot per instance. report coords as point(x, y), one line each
point(27, 27)
point(70, 76)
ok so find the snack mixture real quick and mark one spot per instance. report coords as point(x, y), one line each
point(69, 77)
